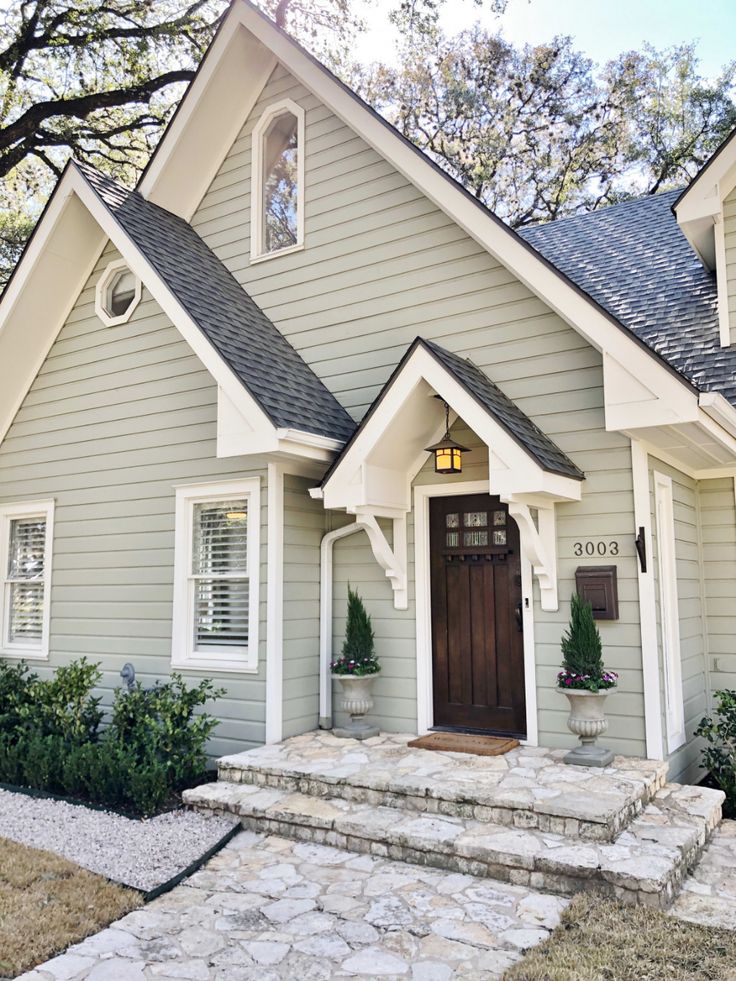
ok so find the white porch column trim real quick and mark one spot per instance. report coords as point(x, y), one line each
point(425, 702)
point(325, 619)
point(647, 605)
point(275, 605)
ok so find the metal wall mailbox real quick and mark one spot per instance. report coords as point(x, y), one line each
point(598, 585)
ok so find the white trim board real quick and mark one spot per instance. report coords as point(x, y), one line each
point(425, 701)
point(647, 605)
point(275, 604)
point(669, 611)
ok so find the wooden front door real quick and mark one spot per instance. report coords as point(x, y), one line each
point(477, 639)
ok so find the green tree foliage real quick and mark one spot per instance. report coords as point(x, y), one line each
point(538, 132)
point(359, 648)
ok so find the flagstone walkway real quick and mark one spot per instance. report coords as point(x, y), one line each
point(268, 909)
point(709, 895)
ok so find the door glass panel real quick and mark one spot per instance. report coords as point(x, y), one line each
point(452, 520)
point(499, 537)
point(474, 538)
point(453, 539)
point(476, 519)
point(499, 518)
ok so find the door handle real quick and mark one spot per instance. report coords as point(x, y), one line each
point(519, 618)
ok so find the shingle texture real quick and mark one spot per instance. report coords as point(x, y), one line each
point(285, 387)
point(633, 259)
point(547, 454)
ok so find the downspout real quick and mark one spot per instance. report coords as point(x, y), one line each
point(325, 619)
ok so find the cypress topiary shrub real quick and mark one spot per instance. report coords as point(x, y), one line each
point(358, 655)
point(582, 652)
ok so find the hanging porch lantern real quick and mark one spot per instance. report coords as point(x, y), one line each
point(448, 455)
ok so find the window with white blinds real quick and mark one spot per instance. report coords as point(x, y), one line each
point(216, 576)
point(25, 538)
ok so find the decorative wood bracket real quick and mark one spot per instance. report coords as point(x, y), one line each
point(393, 561)
point(539, 542)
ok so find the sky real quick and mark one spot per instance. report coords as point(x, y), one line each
point(601, 28)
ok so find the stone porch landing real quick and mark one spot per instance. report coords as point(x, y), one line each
point(523, 818)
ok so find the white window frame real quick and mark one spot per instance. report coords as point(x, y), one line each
point(111, 270)
point(8, 513)
point(257, 226)
point(183, 654)
point(669, 614)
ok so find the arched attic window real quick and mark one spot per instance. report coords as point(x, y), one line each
point(277, 193)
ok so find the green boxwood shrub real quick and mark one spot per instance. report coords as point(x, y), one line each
point(51, 737)
point(719, 753)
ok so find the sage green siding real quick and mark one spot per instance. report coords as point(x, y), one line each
point(729, 231)
point(304, 526)
point(381, 265)
point(718, 536)
point(115, 420)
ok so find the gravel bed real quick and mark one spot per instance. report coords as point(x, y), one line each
point(141, 854)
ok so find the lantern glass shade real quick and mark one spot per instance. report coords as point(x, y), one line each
point(448, 455)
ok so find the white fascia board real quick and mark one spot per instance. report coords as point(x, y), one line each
point(720, 410)
point(577, 309)
point(212, 113)
point(58, 261)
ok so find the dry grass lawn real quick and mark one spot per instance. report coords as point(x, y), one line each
point(48, 903)
point(600, 940)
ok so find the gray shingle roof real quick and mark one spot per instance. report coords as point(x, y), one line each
point(285, 387)
point(633, 259)
point(518, 425)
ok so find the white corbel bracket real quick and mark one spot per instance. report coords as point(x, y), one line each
point(539, 541)
point(393, 560)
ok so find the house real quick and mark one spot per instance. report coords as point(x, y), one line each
point(216, 394)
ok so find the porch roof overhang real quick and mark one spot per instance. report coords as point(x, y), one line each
point(373, 476)
point(376, 469)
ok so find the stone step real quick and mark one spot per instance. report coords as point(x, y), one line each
point(528, 788)
point(645, 865)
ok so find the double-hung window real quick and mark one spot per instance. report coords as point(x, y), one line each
point(26, 535)
point(217, 576)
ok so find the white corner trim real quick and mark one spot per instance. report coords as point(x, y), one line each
point(326, 587)
point(425, 700)
point(8, 512)
point(257, 227)
point(111, 270)
point(182, 654)
point(724, 326)
point(669, 611)
point(275, 605)
point(647, 605)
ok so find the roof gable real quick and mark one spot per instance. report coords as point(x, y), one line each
point(284, 386)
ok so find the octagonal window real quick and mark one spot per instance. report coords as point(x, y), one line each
point(118, 294)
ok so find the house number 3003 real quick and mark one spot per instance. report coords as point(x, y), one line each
point(595, 548)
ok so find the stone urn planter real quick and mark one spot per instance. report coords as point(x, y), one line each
point(357, 701)
point(588, 721)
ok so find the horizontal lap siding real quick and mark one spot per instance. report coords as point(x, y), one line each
point(718, 523)
point(381, 265)
point(729, 230)
point(304, 525)
point(115, 420)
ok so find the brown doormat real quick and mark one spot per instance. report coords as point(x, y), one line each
point(461, 742)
